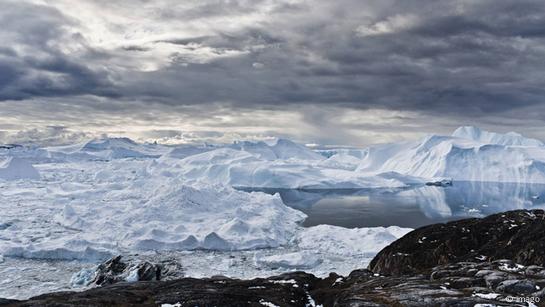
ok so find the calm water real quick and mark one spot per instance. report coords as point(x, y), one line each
point(411, 207)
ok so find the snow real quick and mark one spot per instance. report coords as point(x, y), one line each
point(133, 276)
point(267, 304)
point(488, 296)
point(13, 168)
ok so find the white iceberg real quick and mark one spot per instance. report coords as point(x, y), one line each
point(13, 168)
point(469, 155)
point(240, 168)
point(157, 215)
point(486, 137)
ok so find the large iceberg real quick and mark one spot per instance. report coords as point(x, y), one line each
point(470, 155)
point(486, 137)
point(281, 165)
point(146, 214)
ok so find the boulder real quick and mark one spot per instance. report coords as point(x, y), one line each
point(515, 235)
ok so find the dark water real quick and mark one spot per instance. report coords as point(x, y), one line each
point(411, 207)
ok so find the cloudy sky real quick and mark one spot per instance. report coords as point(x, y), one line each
point(353, 72)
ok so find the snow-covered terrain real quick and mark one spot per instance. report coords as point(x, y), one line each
point(95, 199)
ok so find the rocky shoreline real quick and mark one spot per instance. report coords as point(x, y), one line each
point(494, 261)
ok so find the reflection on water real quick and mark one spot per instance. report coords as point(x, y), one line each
point(411, 207)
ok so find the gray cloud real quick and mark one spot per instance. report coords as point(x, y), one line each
point(456, 60)
point(35, 65)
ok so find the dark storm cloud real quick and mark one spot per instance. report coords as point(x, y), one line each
point(484, 57)
point(439, 57)
point(33, 63)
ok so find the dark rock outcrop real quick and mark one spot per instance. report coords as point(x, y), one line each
point(457, 284)
point(515, 235)
point(284, 290)
point(118, 269)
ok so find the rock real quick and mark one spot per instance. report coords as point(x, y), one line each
point(516, 235)
point(115, 270)
point(109, 272)
point(440, 183)
point(455, 284)
point(517, 287)
point(283, 290)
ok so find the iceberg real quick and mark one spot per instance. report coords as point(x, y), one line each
point(469, 155)
point(507, 139)
point(156, 215)
point(280, 149)
point(152, 197)
point(248, 167)
point(13, 168)
point(106, 148)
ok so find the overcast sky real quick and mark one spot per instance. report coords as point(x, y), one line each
point(350, 72)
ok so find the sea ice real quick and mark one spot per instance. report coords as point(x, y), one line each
point(296, 260)
point(345, 242)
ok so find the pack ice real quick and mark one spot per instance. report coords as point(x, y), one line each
point(110, 195)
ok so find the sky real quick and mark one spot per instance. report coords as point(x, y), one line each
point(345, 72)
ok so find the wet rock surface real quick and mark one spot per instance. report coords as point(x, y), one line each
point(462, 270)
point(516, 235)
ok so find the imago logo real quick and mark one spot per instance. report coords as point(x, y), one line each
point(523, 299)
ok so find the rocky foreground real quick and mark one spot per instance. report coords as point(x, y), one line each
point(495, 261)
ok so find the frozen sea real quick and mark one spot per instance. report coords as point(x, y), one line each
point(65, 209)
point(358, 208)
